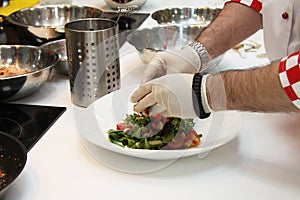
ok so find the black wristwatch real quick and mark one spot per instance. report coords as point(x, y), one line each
point(197, 99)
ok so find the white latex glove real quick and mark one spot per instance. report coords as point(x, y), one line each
point(185, 60)
point(171, 93)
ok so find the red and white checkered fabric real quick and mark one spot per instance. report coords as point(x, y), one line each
point(289, 74)
point(255, 4)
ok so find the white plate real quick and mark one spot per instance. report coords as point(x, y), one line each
point(124, 163)
point(94, 122)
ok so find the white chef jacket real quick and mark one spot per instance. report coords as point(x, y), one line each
point(281, 25)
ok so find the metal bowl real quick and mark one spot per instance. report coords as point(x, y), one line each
point(13, 157)
point(38, 61)
point(194, 16)
point(150, 40)
point(59, 47)
point(129, 4)
point(38, 25)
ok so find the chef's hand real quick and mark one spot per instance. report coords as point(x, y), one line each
point(171, 94)
point(185, 60)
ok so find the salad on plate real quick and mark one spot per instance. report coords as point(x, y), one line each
point(154, 132)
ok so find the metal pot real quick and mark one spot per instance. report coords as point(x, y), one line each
point(128, 4)
point(41, 24)
point(13, 157)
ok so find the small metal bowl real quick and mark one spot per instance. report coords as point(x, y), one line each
point(59, 47)
point(38, 61)
point(194, 16)
point(41, 24)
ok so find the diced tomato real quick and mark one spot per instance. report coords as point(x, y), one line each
point(175, 144)
point(193, 132)
point(189, 137)
point(196, 141)
point(122, 126)
point(179, 137)
point(1, 174)
point(153, 125)
point(150, 133)
point(192, 139)
point(158, 116)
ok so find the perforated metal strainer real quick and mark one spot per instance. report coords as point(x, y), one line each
point(93, 59)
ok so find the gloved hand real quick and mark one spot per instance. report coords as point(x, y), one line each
point(185, 60)
point(171, 93)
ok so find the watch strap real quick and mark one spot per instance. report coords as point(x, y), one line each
point(203, 54)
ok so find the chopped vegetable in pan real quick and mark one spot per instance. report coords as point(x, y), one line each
point(2, 174)
point(141, 131)
point(3, 182)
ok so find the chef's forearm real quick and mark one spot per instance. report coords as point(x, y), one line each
point(256, 90)
point(235, 23)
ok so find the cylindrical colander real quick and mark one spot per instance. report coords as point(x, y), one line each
point(93, 59)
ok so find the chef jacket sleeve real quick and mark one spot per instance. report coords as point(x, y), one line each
point(289, 75)
point(254, 4)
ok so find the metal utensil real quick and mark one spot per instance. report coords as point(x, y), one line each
point(93, 59)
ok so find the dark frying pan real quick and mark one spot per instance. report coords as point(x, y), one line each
point(13, 158)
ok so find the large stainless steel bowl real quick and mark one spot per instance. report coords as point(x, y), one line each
point(38, 61)
point(193, 16)
point(150, 40)
point(59, 47)
point(38, 25)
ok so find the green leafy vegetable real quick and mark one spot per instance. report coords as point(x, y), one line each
point(141, 131)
